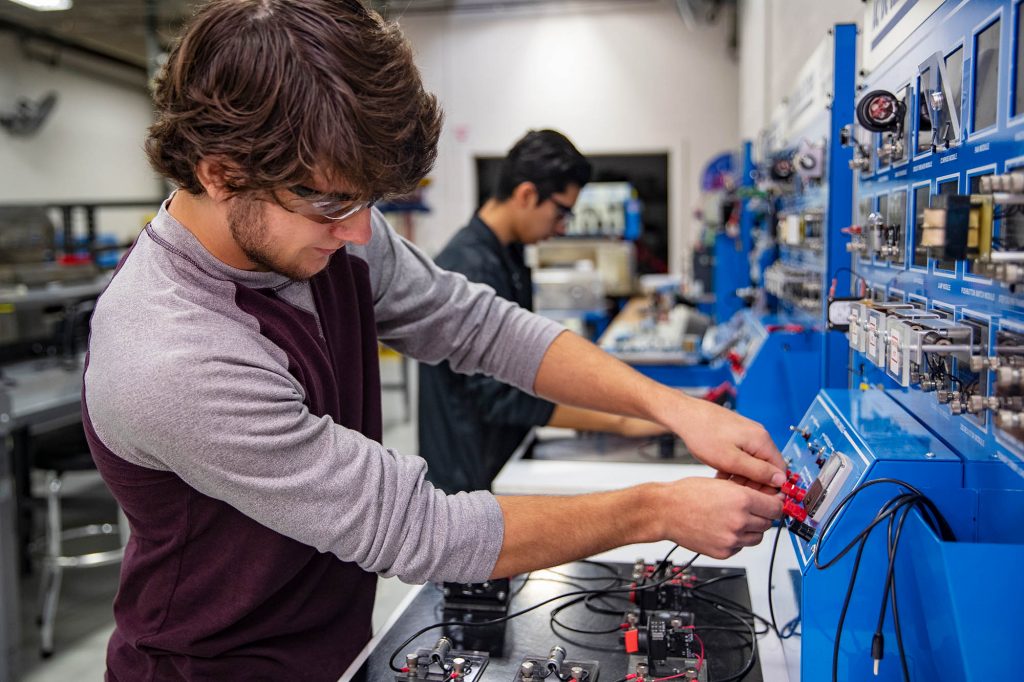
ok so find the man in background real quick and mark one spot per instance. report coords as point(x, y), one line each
point(470, 425)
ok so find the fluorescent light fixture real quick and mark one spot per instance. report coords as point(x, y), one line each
point(45, 5)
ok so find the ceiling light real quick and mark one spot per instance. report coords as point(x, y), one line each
point(45, 5)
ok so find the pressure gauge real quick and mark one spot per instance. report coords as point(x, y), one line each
point(880, 111)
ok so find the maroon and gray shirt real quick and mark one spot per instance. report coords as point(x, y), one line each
point(236, 417)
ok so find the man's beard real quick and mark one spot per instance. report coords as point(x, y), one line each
point(248, 225)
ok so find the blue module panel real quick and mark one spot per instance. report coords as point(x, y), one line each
point(936, 233)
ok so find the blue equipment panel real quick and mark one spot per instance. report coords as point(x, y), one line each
point(805, 170)
point(803, 192)
point(936, 234)
point(958, 604)
point(774, 366)
point(936, 360)
point(732, 247)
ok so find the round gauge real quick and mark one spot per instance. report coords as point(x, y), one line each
point(880, 111)
point(782, 169)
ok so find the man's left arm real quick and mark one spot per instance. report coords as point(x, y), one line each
point(433, 315)
point(576, 372)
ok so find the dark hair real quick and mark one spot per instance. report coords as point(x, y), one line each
point(547, 159)
point(282, 88)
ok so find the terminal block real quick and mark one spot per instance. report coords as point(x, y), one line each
point(804, 229)
point(865, 318)
point(443, 662)
point(1001, 257)
point(672, 595)
point(809, 161)
point(883, 238)
point(963, 227)
point(555, 666)
point(1007, 400)
point(491, 596)
point(666, 646)
point(471, 605)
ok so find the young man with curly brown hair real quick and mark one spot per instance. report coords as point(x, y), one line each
point(232, 393)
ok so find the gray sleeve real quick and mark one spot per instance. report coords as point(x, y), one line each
point(432, 315)
point(239, 432)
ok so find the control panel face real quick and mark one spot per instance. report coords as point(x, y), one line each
point(834, 448)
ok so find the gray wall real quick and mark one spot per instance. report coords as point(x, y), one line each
point(90, 148)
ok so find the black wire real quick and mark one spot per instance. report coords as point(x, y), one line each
point(894, 543)
point(861, 541)
point(734, 605)
point(852, 274)
point(553, 620)
point(553, 616)
point(503, 619)
point(604, 611)
point(842, 612)
point(664, 562)
point(899, 630)
point(790, 628)
point(719, 578)
point(823, 532)
point(606, 566)
point(526, 579)
point(904, 502)
point(771, 570)
point(749, 664)
point(600, 564)
point(583, 645)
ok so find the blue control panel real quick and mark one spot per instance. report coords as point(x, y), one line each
point(958, 597)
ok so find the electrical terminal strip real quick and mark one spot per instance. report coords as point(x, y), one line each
point(555, 666)
point(443, 663)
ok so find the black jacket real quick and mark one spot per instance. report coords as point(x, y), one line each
point(470, 425)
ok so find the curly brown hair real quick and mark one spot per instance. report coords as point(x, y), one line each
point(280, 90)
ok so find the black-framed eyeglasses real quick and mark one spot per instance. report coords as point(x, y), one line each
point(322, 207)
point(564, 212)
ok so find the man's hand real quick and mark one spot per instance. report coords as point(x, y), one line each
point(734, 445)
point(715, 517)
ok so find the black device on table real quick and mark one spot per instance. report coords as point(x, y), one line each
point(695, 621)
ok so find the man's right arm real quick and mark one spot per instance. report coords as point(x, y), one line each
point(714, 517)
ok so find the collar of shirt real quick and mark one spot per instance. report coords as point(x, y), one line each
point(166, 229)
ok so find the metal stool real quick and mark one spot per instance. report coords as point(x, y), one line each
point(56, 453)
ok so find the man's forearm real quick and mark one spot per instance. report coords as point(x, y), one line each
point(545, 531)
point(582, 419)
point(576, 372)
